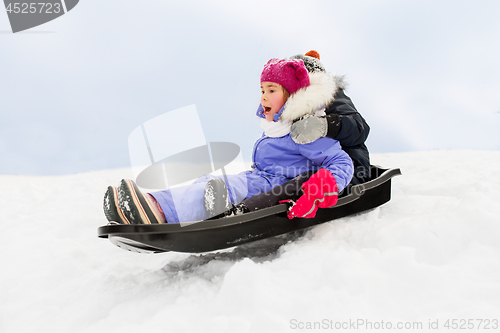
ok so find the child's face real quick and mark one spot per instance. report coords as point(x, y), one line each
point(273, 98)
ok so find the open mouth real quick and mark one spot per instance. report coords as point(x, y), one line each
point(267, 109)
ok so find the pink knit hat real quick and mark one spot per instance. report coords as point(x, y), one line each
point(290, 73)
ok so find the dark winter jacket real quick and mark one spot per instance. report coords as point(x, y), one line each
point(346, 125)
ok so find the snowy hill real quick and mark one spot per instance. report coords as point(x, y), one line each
point(431, 253)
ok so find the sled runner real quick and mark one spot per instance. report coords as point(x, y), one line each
point(236, 230)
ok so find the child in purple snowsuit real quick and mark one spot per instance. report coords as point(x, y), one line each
point(288, 93)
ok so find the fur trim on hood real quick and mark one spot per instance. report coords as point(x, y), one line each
point(340, 81)
point(314, 97)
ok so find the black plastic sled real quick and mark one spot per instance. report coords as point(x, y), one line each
point(210, 235)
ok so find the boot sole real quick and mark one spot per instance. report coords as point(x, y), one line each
point(134, 205)
point(112, 211)
point(215, 198)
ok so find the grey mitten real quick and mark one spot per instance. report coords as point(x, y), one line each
point(309, 129)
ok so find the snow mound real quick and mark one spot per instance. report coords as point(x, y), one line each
point(431, 253)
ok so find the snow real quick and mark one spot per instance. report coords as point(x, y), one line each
point(431, 253)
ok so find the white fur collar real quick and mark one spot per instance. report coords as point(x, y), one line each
point(316, 96)
point(275, 129)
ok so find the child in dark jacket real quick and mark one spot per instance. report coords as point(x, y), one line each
point(342, 123)
point(288, 93)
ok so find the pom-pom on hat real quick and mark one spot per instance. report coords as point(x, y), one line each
point(311, 61)
point(290, 73)
point(313, 53)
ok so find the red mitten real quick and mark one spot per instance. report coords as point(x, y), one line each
point(320, 191)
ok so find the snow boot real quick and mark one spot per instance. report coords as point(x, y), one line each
point(111, 209)
point(135, 206)
point(216, 198)
point(216, 201)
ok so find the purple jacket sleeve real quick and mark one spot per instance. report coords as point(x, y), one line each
point(327, 153)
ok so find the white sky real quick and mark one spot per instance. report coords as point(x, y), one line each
point(424, 74)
